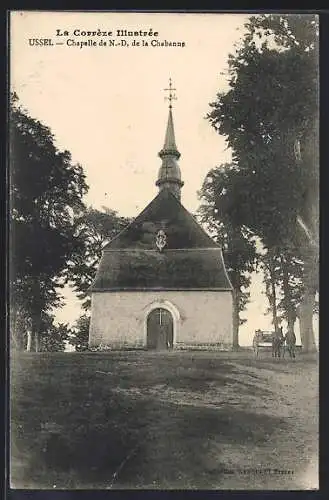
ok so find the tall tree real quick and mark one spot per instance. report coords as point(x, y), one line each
point(283, 272)
point(291, 282)
point(269, 265)
point(239, 249)
point(46, 192)
point(54, 337)
point(94, 227)
point(20, 328)
point(80, 333)
point(270, 117)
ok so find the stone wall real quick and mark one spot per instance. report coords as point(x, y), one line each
point(118, 319)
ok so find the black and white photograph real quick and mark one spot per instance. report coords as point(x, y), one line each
point(163, 250)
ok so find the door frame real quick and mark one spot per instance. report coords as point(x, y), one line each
point(163, 304)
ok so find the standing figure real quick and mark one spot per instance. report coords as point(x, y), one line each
point(277, 342)
point(291, 343)
point(258, 336)
point(284, 346)
point(282, 341)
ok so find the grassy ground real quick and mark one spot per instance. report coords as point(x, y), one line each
point(163, 420)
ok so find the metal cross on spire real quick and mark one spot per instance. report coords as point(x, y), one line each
point(171, 96)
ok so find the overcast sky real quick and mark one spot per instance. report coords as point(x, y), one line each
point(106, 104)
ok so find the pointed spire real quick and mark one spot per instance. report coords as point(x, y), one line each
point(169, 146)
point(169, 174)
point(170, 143)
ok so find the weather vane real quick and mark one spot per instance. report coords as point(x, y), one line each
point(171, 96)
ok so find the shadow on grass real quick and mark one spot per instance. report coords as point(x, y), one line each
point(173, 451)
point(167, 444)
point(71, 429)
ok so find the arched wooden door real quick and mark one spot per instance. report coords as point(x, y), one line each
point(160, 329)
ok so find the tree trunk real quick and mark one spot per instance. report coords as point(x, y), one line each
point(310, 249)
point(13, 325)
point(36, 314)
point(35, 331)
point(29, 341)
point(307, 305)
point(19, 328)
point(306, 322)
point(236, 320)
point(274, 308)
point(288, 304)
point(306, 308)
point(37, 341)
point(272, 298)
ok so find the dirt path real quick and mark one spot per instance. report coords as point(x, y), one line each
point(176, 454)
point(176, 421)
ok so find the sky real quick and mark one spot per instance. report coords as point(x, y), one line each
point(106, 104)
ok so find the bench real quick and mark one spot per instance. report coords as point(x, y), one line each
point(266, 339)
point(262, 340)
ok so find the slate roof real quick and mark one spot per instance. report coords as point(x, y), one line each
point(197, 269)
point(190, 259)
point(164, 212)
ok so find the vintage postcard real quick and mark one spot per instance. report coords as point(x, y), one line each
point(164, 242)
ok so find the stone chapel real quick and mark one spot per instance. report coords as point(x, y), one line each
point(162, 283)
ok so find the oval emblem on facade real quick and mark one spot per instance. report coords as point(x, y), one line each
point(161, 240)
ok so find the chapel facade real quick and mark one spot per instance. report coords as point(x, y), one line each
point(162, 283)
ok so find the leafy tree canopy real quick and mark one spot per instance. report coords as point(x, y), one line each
point(94, 227)
point(46, 191)
point(268, 116)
